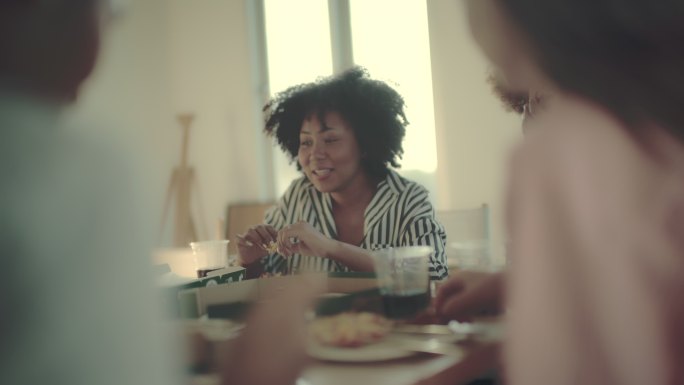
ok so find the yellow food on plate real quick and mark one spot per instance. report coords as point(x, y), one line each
point(350, 329)
point(272, 247)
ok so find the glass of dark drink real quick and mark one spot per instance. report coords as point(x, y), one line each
point(403, 280)
point(209, 256)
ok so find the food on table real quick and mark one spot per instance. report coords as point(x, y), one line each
point(350, 329)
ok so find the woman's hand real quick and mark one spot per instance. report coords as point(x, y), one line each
point(302, 238)
point(253, 245)
point(469, 294)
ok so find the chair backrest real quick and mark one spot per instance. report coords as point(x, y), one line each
point(464, 225)
point(468, 235)
point(241, 217)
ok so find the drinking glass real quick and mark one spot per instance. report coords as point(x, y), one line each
point(209, 256)
point(403, 279)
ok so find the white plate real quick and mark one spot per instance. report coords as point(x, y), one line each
point(212, 329)
point(379, 351)
point(491, 330)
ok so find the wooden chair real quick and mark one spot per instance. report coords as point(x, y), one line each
point(241, 217)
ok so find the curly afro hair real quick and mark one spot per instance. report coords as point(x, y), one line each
point(374, 110)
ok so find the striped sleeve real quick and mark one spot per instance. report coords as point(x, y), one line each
point(279, 216)
point(421, 228)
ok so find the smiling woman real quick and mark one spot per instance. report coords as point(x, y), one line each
point(329, 153)
point(345, 133)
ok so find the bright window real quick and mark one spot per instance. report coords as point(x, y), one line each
point(298, 49)
point(390, 38)
point(399, 53)
point(298, 42)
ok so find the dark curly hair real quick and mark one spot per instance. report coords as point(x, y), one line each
point(374, 110)
point(626, 55)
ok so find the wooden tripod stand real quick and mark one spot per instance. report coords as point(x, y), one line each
point(180, 187)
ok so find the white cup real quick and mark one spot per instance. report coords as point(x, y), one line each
point(209, 256)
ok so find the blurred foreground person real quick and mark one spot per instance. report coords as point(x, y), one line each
point(598, 189)
point(77, 304)
point(599, 225)
point(469, 294)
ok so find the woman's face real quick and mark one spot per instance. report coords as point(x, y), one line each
point(329, 153)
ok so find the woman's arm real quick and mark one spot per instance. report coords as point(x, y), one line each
point(253, 255)
point(312, 242)
point(357, 258)
point(422, 229)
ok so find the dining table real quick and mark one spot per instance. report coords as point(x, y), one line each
point(402, 371)
point(413, 351)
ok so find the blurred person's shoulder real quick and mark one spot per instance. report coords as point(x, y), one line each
point(72, 222)
point(44, 158)
point(580, 144)
point(602, 179)
point(64, 186)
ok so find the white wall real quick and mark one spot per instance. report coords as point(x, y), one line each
point(211, 76)
point(165, 57)
point(474, 133)
point(127, 97)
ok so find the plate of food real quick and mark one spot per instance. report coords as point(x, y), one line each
point(353, 337)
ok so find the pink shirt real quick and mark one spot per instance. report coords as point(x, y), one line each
point(597, 281)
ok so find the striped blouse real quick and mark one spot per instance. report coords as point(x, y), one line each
point(400, 214)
